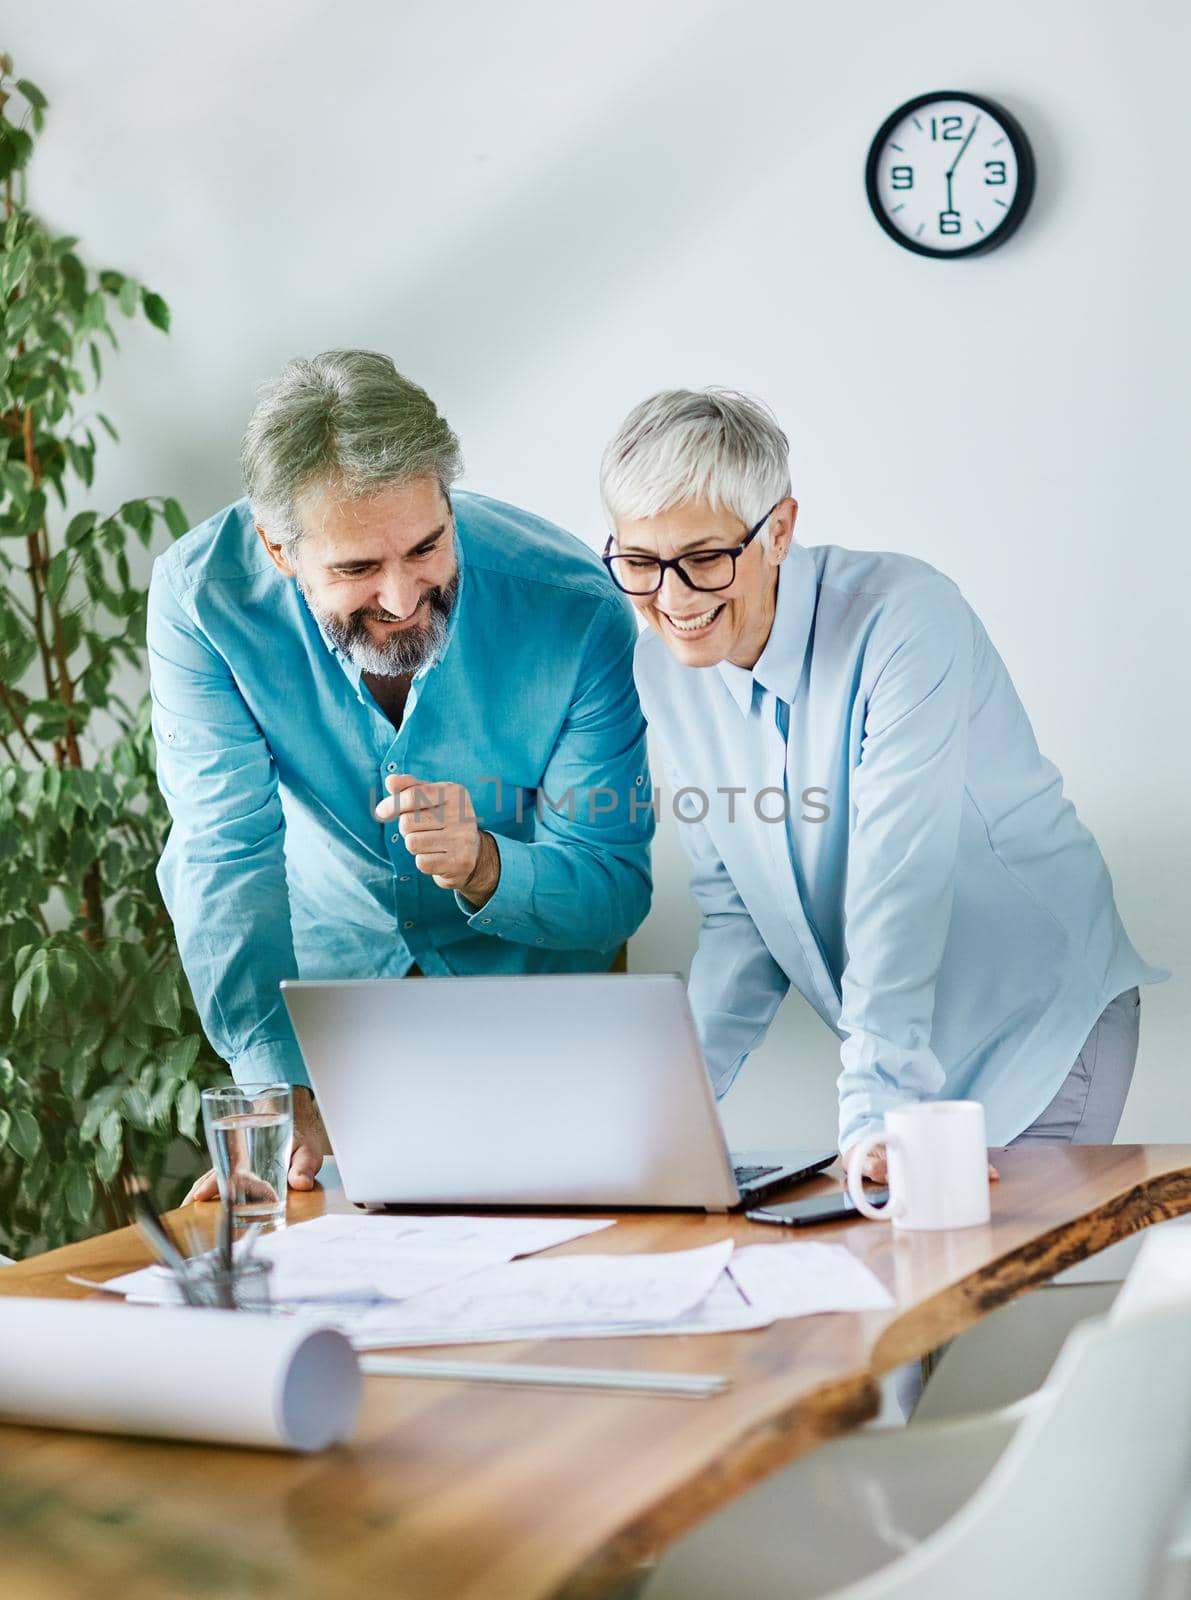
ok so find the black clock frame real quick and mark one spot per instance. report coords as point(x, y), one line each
point(1025, 175)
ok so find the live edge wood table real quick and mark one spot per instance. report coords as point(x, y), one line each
point(458, 1492)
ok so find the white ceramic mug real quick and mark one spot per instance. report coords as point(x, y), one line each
point(938, 1166)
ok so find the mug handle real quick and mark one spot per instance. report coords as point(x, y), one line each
point(855, 1180)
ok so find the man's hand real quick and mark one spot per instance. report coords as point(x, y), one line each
point(310, 1148)
point(875, 1169)
point(438, 825)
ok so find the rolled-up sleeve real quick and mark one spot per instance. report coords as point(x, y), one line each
point(907, 802)
point(222, 873)
point(583, 878)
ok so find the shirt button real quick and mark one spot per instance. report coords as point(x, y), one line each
point(485, 920)
point(394, 838)
point(393, 768)
point(407, 924)
point(539, 941)
point(404, 878)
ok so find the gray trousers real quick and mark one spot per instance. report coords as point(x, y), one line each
point(1091, 1098)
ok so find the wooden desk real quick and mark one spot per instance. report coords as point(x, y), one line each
point(457, 1492)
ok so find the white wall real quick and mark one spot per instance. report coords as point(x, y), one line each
point(545, 211)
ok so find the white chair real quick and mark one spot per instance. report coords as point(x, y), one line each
point(1071, 1492)
point(1007, 1354)
point(1162, 1277)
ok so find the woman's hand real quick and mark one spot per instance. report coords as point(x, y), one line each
point(876, 1170)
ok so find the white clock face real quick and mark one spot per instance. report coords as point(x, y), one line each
point(946, 176)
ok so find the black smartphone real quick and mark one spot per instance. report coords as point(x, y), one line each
point(823, 1208)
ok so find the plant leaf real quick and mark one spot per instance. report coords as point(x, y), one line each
point(20, 994)
point(79, 527)
point(107, 1164)
point(156, 310)
point(187, 1105)
point(33, 94)
point(25, 1136)
point(137, 1109)
point(111, 1130)
point(176, 519)
point(167, 1008)
point(80, 1194)
point(56, 575)
point(179, 1057)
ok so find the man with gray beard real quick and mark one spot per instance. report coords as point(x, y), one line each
point(388, 719)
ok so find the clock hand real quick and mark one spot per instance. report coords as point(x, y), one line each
point(959, 157)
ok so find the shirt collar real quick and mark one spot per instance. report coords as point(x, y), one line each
point(779, 666)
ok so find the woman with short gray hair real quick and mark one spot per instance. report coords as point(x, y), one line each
point(868, 815)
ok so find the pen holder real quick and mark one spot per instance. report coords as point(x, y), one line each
point(244, 1288)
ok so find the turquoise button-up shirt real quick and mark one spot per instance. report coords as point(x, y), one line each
point(875, 825)
point(272, 754)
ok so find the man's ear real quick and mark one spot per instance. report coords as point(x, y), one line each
point(781, 529)
point(277, 553)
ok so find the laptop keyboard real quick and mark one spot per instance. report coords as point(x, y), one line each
point(747, 1175)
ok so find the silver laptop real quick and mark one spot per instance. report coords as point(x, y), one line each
point(584, 1090)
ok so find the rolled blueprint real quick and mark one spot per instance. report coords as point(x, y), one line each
point(223, 1377)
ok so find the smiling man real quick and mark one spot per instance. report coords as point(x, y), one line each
point(387, 720)
point(869, 817)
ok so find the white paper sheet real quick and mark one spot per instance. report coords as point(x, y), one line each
point(724, 1309)
point(497, 1238)
point(760, 1284)
point(549, 1299)
point(386, 1288)
point(804, 1280)
point(349, 1257)
point(224, 1377)
point(315, 1279)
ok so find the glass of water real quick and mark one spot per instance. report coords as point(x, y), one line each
point(250, 1133)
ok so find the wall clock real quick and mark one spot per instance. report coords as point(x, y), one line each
point(950, 174)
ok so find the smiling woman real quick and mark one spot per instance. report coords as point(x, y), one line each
point(685, 484)
point(668, 563)
point(703, 568)
point(948, 828)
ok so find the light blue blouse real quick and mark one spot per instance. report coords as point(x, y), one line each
point(871, 821)
point(272, 753)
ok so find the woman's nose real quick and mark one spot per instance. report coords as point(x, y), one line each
point(673, 591)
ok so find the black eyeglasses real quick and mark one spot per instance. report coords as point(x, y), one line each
point(705, 570)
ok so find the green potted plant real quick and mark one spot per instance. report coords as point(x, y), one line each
point(101, 1052)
